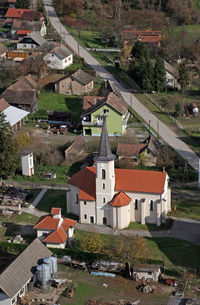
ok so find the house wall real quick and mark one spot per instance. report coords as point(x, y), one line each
point(70, 232)
point(28, 46)
point(171, 80)
point(58, 246)
point(114, 122)
point(43, 30)
point(27, 165)
point(72, 205)
point(20, 293)
point(152, 275)
point(69, 86)
point(40, 233)
point(120, 217)
point(87, 211)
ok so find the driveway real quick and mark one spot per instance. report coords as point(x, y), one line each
point(186, 229)
point(165, 132)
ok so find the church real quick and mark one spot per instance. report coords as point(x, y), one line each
point(103, 195)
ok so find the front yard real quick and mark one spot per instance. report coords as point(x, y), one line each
point(58, 102)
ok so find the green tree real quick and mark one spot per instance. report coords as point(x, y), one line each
point(183, 80)
point(159, 75)
point(7, 148)
point(146, 75)
point(178, 109)
point(183, 76)
point(140, 51)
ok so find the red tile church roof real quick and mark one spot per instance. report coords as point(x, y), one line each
point(126, 180)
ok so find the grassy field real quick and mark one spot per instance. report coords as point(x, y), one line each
point(119, 288)
point(54, 198)
point(26, 218)
point(186, 208)
point(89, 39)
point(61, 171)
point(175, 253)
point(193, 31)
point(150, 227)
point(4, 30)
point(59, 102)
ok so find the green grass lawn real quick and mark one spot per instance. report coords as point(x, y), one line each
point(4, 30)
point(26, 218)
point(59, 102)
point(88, 38)
point(186, 208)
point(193, 30)
point(150, 227)
point(54, 198)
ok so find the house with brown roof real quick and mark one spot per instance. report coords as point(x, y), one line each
point(105, 195)
point(133, 151)
point(96, 107)
point(15, 279)
point(130, 35)
point(54, 230)
point(21, 28)
point(14, 14)
point(23, 94)
point(75, 150)
point(60, 57)
point(78, 83)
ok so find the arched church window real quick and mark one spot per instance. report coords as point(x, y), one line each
point(103, 174)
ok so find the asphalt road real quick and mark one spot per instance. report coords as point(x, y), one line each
point(165, 132)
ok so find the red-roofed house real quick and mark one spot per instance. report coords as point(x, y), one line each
point(130, 35)
point(104, 195)
point(14, 14)
point(54, 230)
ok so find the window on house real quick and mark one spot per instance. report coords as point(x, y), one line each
point(85, 202)
point(136, 204)
point(106, 111)
point(85, 216)
point(151, 205)
point(103, 174)
point(21, 291)
point(76, 198)
point(104, 186)
point(104, 199)
point(13, 301)
point(91, 219)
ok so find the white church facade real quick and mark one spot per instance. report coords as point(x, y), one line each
point(104, 195)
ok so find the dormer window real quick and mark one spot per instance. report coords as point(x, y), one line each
point(103, 174)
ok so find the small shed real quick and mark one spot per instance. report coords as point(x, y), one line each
point(27, 163)
point(145, 272)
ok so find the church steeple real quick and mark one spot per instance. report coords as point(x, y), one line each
point(105, 153)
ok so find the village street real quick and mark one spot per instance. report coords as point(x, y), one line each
point(166, 133)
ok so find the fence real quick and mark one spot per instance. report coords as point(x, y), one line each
point(178, 124)
point(36, 185)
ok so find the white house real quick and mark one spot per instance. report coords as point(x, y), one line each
point(104, 195)
point(31, 41)
point(59, 58)
point(15, 278)
point(54, 230)
point(171, 75)
point(27, 163)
